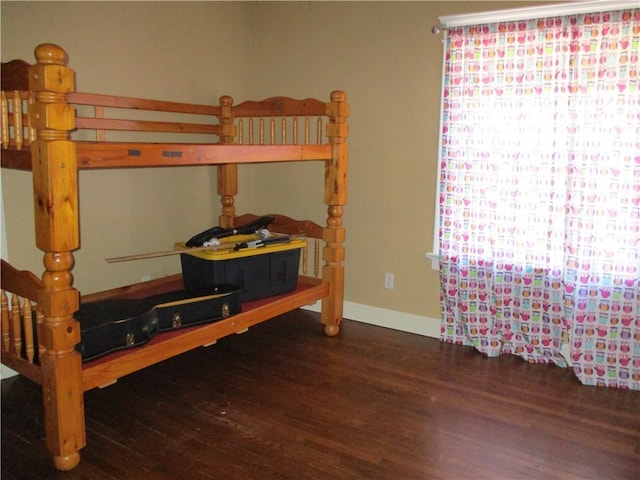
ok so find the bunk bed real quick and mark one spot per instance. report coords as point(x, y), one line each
point(39, 117)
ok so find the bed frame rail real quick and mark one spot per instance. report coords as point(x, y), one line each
point(101, 113)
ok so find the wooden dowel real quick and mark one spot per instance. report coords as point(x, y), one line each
point(27, 325)
point(18, 132)
point(283, 131)
point(6, 339)
point(261, 130)
point(39, 320)
point(5, 120)
point(16, 337)
point(31, 99)
point(304, 259)
point(316, 258)
point(272, 131)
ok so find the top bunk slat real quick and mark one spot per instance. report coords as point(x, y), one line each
point(93, 99)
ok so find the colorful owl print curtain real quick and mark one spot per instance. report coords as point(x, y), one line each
point(539, 195)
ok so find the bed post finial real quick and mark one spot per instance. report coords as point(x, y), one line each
point(51, 54)
point(338, 96)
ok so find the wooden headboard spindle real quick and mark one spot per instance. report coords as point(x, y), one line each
point(295, 131)
point(18, 132)
point(14, 327)
point(6, 334)
point(261, 131)
point(304, 259)
point(286, 130)
point(5, 120)
point(316, 257)
point(272, 129)
point(15, 119)
point(17, 327)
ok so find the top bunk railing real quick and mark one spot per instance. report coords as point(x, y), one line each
point(102, 121)
point(273, 121)
point(101, 113)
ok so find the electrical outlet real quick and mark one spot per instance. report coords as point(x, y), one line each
point(388, 280)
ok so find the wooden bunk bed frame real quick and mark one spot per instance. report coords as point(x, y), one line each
point(38, 115)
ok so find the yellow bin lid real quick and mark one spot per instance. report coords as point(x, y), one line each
point(226, 251)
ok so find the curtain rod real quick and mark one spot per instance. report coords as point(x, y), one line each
point(540, 11)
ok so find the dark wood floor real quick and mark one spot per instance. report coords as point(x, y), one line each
point(283, 401)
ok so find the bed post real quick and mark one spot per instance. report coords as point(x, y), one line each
point(335, 197)
point(56, 221)
point(227, 174)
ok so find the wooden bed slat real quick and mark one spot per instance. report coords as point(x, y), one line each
point(79, 98)
point(145, 126)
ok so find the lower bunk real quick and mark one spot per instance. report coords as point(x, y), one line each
point(64, 414)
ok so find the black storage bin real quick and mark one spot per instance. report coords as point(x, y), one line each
point(258, 272)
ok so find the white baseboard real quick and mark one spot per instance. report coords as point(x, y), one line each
point(382, 317)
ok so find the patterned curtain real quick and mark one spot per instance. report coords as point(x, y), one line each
point(540, 192)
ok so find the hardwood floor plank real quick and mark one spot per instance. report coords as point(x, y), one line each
point(283, 401)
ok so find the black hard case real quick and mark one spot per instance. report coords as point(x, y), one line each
point(112, 325)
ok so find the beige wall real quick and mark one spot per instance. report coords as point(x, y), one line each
point(183, 51)
point(382, 54)
point(385, 57)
